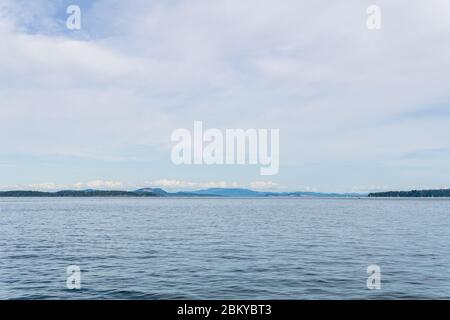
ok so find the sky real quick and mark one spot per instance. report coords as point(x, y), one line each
point(358, 110)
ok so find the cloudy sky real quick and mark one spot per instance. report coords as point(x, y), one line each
point(357, 109)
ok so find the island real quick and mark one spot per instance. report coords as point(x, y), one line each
point(440, 193)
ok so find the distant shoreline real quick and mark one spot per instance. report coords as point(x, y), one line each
point(157, 192)
point(218, 193)
point(440, 193)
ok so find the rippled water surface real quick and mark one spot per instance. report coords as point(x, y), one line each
point(133, 248)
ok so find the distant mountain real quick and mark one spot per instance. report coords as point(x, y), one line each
point(158, 192)
point(441, 193)
point(239, 192)
point(330, 195)
point(229, 192)
point(162, 193)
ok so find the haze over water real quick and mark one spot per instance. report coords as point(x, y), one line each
point(160, 248)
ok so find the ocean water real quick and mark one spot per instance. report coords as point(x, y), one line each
point(164, 248)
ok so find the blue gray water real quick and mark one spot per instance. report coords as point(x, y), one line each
point(133, 248)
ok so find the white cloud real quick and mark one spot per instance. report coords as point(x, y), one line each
point(179, 184)
point(168, 184)
point(263, 185)
point(51, 186)
point(100, 184)
point(43, 186)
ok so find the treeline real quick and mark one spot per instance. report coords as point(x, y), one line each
point(414, 193)
point(75, 193)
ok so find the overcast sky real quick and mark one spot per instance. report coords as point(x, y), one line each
point(358, 110)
